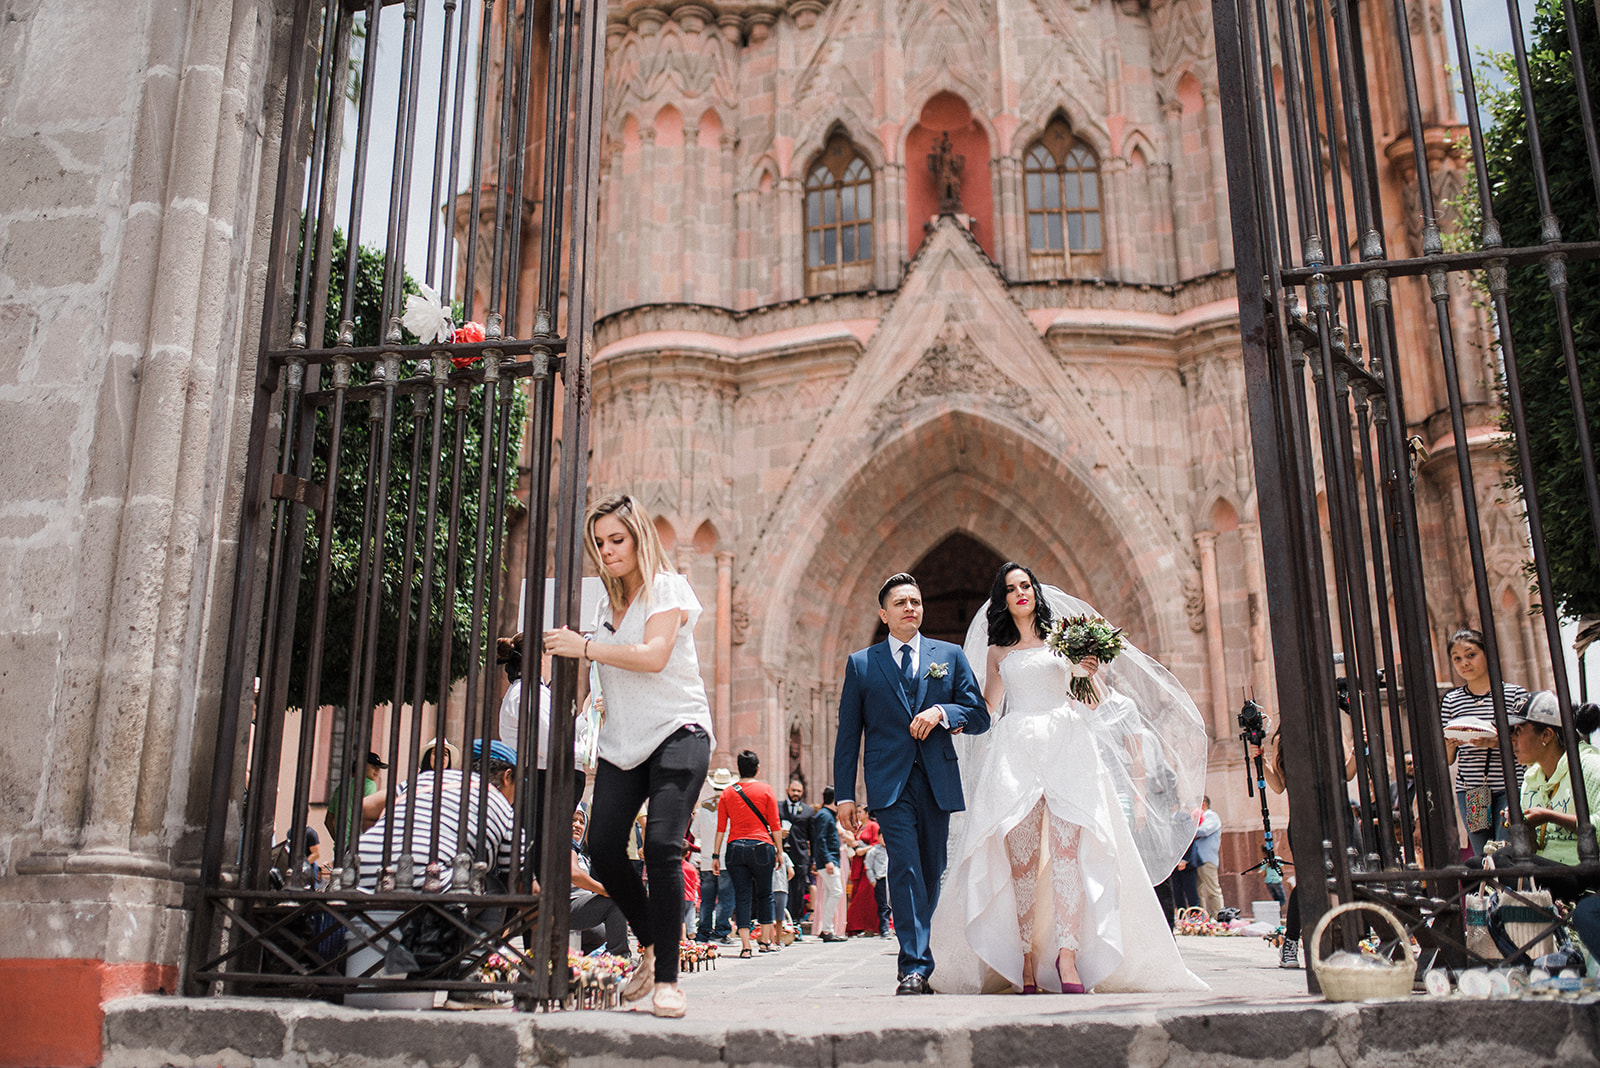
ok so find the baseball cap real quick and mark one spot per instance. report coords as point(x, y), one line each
point(1542, 709)
point(498, 750)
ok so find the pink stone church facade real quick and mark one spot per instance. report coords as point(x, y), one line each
point(817, 368)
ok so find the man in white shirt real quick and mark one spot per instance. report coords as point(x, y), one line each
point(716, 886)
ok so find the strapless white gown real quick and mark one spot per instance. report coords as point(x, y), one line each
point(1042, 747)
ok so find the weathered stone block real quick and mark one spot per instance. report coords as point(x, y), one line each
point(30, 472)
point(197, 1030)
point(53, 252)
point(17, 324)
point(32, 178)
point(29, 669)
point(777, 1048)
point(608, 1041)
point(1030, 1044)
point(407, 1038)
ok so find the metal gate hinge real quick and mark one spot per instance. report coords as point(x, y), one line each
point(299, 490)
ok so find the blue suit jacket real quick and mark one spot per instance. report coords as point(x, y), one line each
point(874, 704)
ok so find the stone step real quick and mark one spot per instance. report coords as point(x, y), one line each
point(819, 1006)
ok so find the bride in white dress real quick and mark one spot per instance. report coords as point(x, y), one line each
point(1102, 796)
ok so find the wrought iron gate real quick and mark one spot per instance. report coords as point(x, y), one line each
point(1354, 331)
point(384, 501)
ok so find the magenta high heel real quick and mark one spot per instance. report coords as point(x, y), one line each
point(1066, 987)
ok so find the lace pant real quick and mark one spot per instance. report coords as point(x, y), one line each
point(1066, 877)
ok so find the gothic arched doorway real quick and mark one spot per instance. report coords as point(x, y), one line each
point(955, 576)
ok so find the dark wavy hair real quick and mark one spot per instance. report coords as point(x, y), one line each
point(1002, 628)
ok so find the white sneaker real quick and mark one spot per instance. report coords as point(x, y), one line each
point(1289, 955)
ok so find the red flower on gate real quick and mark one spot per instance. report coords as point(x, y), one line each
point(466, 334)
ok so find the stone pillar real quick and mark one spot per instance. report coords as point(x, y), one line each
point(727, 223)
point(1013, 247)
point(791, 250)
point(723, 710)
point(1219, 181)
point(691, 219)
point(1255, 575)
point(1183, 261)
point(131, 266)
point(745, 204)
point(1118, 217)
point(1216, 665)
point(892, 219)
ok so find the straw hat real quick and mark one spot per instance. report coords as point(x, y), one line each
point(722, 778)
point(451, 752)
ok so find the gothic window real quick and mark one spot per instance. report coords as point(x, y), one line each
point(1062, 183)
point(838, 220)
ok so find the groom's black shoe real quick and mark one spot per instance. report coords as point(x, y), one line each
point(913, 984)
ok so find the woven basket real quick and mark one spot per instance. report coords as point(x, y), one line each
point(1358, 983)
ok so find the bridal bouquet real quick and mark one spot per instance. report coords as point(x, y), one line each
point(1076, 637)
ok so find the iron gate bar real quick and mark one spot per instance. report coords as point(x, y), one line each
point(1277, 153)
point(298, 422)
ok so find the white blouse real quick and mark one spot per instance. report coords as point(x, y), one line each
point(642, 707)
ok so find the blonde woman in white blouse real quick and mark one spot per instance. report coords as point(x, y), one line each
point(655, 742)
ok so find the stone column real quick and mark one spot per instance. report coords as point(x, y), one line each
point(1182, 204)
point(727, 224)
point(1255, 575)
point(1216, 665)
point(791, 251)
point(1118, 218)
point(131, 278)
point(1013, 238)
point(1219, 181)
point(691, 221)
point(892, 218)
point(723, 711)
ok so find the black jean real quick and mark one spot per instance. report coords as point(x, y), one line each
point(750, 863)
point(591, 910)
point(670, 779)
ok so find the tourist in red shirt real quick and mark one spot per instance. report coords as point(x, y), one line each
point(747, 820)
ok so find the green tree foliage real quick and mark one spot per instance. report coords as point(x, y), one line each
point(1552, 437)
point(362, 428)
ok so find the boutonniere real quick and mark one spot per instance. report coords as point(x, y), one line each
point(936, 671)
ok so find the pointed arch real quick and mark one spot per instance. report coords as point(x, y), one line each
point(706, 538)
point(817, 133)
point(1063, 104)
point(919, 100)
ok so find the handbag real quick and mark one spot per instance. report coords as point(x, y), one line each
point(746, 799)
point(1479, 808)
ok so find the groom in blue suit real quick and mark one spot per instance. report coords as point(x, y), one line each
point(908, 694)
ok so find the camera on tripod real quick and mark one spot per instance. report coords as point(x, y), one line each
point(1252, 724)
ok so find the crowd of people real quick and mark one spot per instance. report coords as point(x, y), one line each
point(674, 852)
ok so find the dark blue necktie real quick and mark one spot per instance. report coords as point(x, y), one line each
point(908, 677)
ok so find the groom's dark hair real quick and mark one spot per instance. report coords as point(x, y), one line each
point(902, 579)
point(1002, 628)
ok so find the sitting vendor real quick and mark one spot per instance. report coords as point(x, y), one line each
point(1547, 808)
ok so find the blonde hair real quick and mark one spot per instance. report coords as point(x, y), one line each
point(646, 542)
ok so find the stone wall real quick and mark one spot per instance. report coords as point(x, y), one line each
point(134, 140)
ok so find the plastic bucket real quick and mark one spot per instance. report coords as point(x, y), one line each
point(366, 956)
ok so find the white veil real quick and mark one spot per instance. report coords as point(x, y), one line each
point(1145, 721)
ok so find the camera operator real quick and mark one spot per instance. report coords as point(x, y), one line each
point(1274, 773)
